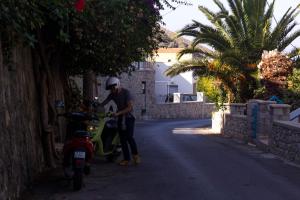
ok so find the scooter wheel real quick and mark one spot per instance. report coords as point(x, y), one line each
point(110, 158)
point(77, 179)
point(87, 169)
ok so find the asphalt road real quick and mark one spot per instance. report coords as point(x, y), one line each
point(182, 162)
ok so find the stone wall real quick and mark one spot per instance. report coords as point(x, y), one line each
point(235, 126)
point(285, 140)
point(258, 118)
point(184, 110)
point(218, 118)
point(267, 125)
point(235, 108)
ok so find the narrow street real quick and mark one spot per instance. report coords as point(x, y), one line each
point(179, 162)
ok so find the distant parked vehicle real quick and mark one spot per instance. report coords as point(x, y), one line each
point(188, 97)
point(169, 98)
point(183, 98)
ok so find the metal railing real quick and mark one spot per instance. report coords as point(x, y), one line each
point(295, 114)
point(144, 65)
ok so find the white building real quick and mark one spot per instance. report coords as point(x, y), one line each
point(183, 83)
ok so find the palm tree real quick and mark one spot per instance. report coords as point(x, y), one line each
point(237, 38)
point(224, 75)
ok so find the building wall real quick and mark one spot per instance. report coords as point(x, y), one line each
point(184, 110)
point(164, 59)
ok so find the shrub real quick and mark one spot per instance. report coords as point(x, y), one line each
point(209, 87)
point(292, 94)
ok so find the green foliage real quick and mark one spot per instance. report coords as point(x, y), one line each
point(222, 98)
point(74, 96)
point(24, 18)
point(110, 35)
point(214, 91)
point(294, 80)
point(292, 94)
point(170, 3)
point(260, 93)
point(209, 87)
point(106, 37)
point(292, 98)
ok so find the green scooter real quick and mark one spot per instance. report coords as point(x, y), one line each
point(105, 136)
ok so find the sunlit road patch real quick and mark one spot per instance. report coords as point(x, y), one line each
point(193, 131)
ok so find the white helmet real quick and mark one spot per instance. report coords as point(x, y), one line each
point(112, 82)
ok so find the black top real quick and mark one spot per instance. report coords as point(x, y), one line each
point(121, 99)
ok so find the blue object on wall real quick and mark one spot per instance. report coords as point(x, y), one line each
point(275, 98)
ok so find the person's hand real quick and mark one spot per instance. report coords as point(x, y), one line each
point(114, 115)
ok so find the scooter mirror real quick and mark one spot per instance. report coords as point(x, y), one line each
point(59, 106)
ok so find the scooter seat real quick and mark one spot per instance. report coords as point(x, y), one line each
point(82, 134)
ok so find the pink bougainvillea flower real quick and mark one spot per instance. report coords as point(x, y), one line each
point(79, 5)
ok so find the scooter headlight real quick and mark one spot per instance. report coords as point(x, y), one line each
point(91, 128)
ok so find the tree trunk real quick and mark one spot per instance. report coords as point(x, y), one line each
point(21, 155)
point(89, 80)
point(51, 89)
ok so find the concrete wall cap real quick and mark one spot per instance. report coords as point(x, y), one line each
point(194, 102)
point(261, 101)
point(279, 106)
point(234, 104)
point(288, 124)
point(210, 103)
point(239, 116)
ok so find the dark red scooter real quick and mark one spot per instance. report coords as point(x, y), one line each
point(78, 148)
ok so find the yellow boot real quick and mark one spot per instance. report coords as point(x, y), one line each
point(124, 163)
point(136, 159)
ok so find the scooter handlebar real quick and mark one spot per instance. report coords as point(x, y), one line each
point(79, 116)
point(109, 114)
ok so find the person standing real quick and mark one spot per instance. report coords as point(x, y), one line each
point(126, 120)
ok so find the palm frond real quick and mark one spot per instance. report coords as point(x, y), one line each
point(278, 32)
point(213, 39)
point(287, 41)
point(294, 53)
point(186, 66)
point(221, 6)
point(191, 33)
point(210, 15)
point(243, 17)
point(216, 19)
point(234, 29)
point(195, 50)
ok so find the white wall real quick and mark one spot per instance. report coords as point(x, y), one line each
point(163, 61)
